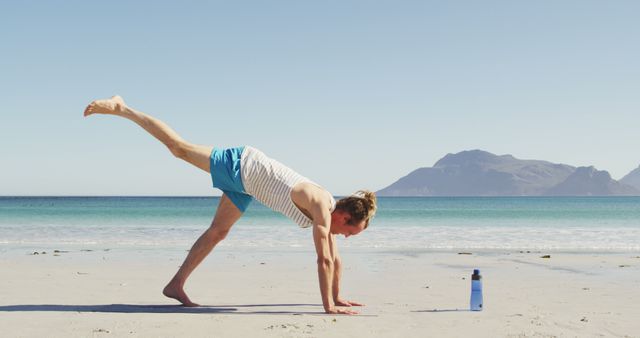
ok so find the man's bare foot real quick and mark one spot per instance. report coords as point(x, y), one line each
point(115, 105)
point(172, 290)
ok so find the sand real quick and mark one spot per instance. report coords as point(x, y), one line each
point(258, 293)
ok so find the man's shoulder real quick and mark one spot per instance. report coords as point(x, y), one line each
point(312, 192)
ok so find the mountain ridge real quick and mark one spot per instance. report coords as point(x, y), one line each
point(481, 173)
point(632, 178)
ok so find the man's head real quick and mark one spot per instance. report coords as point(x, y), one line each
point(353, 213)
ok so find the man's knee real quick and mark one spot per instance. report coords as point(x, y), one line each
point(217, 233)
point(179, 149)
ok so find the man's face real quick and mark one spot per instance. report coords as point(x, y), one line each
point(340, 226)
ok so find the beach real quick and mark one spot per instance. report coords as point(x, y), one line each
point(96, 267)
point(254, 293)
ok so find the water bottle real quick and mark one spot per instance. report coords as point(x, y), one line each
point(476, 291)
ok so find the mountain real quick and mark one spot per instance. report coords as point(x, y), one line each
point(480, 173)
point(632, 178)
point(587, 181)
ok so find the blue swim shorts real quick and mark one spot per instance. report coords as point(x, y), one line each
point(226, 175)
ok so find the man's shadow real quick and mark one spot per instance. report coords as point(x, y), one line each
point(443, 310)
point(133, 308)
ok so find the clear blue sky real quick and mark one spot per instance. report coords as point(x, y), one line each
point(352, 94)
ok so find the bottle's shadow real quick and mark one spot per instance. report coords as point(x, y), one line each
point(443, 310)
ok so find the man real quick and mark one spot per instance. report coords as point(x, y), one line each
point(245, 173)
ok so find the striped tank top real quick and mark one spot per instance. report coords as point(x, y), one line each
point(271, 182)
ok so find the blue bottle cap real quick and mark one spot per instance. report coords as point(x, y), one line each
point(476, 271)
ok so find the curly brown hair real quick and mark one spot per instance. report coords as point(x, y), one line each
point(361, 206)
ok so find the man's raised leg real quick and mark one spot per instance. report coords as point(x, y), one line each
point(226, 215)
point(195, 154)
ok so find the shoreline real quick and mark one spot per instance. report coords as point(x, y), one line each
point(28, 249)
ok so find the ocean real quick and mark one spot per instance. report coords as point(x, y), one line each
point(564, 224)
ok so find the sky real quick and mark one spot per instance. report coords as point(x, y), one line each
point(352, 94)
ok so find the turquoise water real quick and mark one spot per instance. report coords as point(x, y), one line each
point(433, 223)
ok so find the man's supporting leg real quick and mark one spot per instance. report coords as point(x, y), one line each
point(225, 217)
point(197, 155)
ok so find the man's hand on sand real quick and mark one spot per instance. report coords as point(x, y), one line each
point(337, 311)
point(342, 302)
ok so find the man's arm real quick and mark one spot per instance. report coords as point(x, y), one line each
point(322, 241)
point(337, 275)
point(325, 265)
point(337, 269)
